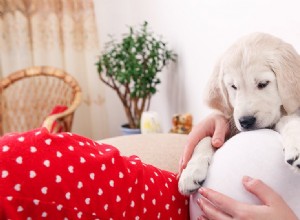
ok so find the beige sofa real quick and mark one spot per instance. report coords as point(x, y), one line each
point(160, 150)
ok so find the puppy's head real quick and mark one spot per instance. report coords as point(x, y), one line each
point(255, 81)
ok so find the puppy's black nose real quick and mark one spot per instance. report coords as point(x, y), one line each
point(247, 121)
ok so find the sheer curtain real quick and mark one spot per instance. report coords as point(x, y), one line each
point(60, 33)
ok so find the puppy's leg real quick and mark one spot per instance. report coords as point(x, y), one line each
point(194, 174)
point(289, 128)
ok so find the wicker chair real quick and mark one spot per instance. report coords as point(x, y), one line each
point(28, 97)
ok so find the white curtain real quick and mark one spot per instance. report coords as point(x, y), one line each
point(60, 33)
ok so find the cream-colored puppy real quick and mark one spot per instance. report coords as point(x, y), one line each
point(255, 84)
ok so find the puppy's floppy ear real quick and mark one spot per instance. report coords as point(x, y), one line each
point(285, 63)
point(216, 96)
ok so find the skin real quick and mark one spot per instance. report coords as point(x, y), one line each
point(219, 206)
point(215, 126)
point(215, 205)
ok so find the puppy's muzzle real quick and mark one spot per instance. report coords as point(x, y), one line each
point(247, 122)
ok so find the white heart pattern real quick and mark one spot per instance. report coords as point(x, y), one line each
point(59, 207)
point(87, 201)
point(4, 173)
point(36, 202)
point(20, 209)
point(100, 191)
point(33, 149)
point(92, 176)
point(44, 190)
point(17, 187)
point(105, 207)
point(132, 204)
point(71, 169)
point(167, 206)
point(19, 160)
point(32, 174)
point(44, 214)
point(79, 185)
point(47, 163)
point(58, 179)
point(21, 139)
point(58, 154)
point(5, 148)
point(48, 141)
point(82, 160)
point(68, 195)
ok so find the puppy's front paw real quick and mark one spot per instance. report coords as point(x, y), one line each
point(192, 177)
point(288, 126)
point(292, 157)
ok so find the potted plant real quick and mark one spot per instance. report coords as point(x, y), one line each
point(131, 67)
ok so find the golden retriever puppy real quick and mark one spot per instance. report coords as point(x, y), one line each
point(255, 84)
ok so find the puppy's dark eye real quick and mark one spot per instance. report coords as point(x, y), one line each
point(234, 87)
point(262, 85)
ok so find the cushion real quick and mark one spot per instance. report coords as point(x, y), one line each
point(160, 150)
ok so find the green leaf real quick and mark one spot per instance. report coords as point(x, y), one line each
point(135, 60)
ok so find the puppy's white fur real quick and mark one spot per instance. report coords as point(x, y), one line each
point(258, 76)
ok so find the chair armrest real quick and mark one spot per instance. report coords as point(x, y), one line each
point(51, 119)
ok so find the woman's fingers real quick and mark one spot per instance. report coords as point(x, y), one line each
point(263, 192)
point(210, 211)
point(181, 167)
point(219, 134)
point(221, 201)
point(221, 130)
point(215, 205)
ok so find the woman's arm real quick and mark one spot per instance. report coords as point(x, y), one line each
point(215, 126)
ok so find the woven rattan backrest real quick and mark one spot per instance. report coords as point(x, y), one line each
point(28, 97)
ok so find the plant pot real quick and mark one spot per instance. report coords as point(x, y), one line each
point(126, 130)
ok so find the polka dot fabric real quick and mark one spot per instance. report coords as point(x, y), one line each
point(66, 176)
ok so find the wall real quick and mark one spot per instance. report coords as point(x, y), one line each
point(199, 31)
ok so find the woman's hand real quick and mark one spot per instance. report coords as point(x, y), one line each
point(215, 126)
point(215, 205)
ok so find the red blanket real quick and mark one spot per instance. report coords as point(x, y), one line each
point(64, 175)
